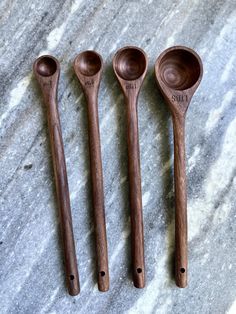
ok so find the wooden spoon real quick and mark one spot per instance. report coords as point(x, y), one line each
point(130, 66)
point(88, 68)
point(47, 71)
point(178, 73)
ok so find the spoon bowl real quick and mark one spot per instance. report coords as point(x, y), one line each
point(88, 63)
point(179, 69)
point(46, 66)
point(130, 63)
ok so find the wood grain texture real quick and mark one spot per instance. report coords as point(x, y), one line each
point(88, 68)
point(27, 29)
point(47, 71)
point(178, 73)
point(130, 66)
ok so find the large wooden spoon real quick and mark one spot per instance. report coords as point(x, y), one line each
point(178, 73)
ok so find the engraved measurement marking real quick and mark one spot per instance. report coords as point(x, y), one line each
point(180, 98)
point(89, 83)
point(130, 86)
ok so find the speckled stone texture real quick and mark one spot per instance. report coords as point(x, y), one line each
point(31, 270)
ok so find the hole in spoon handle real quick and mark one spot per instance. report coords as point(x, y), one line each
point(181, 276)
point(73, 283)
point(103, 280)
point(139, 277)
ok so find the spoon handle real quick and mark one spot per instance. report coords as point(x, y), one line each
point(137, 241)
point(59, 165)
point(97, 191)
point(181, 255)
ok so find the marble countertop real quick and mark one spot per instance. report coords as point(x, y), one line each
point(31, 270)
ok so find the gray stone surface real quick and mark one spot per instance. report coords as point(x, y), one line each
point(32, 278)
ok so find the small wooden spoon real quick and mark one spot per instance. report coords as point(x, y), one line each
point(178, 73)
point(130, 67)
point(47, 71)
point(88, 68)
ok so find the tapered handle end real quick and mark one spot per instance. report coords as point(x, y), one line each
point(73, 285)
point(181, 276)
point(103, 281)
point(139, 278)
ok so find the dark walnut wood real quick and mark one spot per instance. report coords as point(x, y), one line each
point(88, 68)
point(178, 73)
point(130, 66)
point(47, 71)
